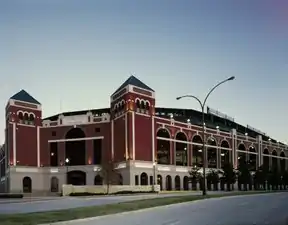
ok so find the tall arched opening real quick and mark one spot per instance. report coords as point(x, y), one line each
point(177, 183)
point(197, 145)
point(75, 150)
point(266, 159)
point(212, 153)
point(76, 177)
point(225, 153)
point(282, 162)
point(242, 154)
point(252, 158)
point(163, 147)
point(181, 149)
point(274, 160)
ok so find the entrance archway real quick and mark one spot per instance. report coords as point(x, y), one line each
point(54, 184)
point(168, 183)
point(76, 177)
point(75, 150)
point(186, 183)
point(144, 179)
point(181, 149)
point(177, 183)
point(163, 147)
point(27, 185)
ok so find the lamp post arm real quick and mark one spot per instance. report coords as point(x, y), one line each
point(192, 96)
point(217, 85)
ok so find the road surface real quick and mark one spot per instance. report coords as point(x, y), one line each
point(75, 202)
point(238, 210)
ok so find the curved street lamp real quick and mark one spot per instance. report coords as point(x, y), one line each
point(202, 104)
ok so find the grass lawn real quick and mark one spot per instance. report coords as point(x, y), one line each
point(78, 213)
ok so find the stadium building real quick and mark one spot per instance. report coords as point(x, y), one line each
point(144, 142)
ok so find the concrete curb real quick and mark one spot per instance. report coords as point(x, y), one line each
point(77, 221)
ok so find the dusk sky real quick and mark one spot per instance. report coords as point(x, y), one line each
point(80, 52)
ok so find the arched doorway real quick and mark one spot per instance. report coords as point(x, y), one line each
point(27, 185)
point(98, 180)
point(266, 157)
point(181, 149)
point(186, 183)
point(252, 158)
point(274, 160)
point(163, 147)
point(177, 183)
point(282, 162)
point(144, 179)
point(76, 177)
point(225, 153)
point(197, 143)
point(75, 151)
point(242, 155)
point(168, 183)
point(159, 181)
point(212, 153)
point(54, 184)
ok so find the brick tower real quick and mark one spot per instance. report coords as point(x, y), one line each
point(132, 124)
point(23, 122)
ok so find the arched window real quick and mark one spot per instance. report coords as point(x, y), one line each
point(20, 116)
point(26, 117)
point(31, 118)
point(282, 162)
point(252, 158)
point(138, 105)
point(147, 106)
point(266, 159)
point(142, 104)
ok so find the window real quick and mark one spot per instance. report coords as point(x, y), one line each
point(53, 133)
point(97, 130)
point(97, 151)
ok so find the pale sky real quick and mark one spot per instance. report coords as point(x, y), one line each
point(80, 52)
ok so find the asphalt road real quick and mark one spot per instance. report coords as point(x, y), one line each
point(75, 202)
point(238, 210)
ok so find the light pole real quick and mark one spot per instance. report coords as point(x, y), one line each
point(154, 175)
point(66, 164)
point(202, 104)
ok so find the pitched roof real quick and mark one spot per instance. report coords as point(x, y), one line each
point(25, 97)
point(135, 82)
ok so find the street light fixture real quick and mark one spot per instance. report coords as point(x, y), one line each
point(202, 104)
point(66, 163)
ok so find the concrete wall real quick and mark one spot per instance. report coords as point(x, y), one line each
point(102, 189)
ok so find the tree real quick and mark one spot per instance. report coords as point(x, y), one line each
point(110, 174)
point(229, 175)
point(195, 175)
point(244, 175)
point(213, 178)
